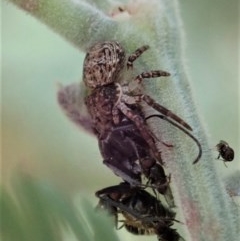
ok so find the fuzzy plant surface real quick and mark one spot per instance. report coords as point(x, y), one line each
point(207, 211)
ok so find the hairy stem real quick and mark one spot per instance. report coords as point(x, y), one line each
point(208, 212)
point(77, 21)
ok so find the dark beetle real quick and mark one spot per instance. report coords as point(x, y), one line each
point(143, 213)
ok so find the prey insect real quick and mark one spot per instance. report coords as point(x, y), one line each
point(109, 102)
point(143, 214)
point(225, 151)
point(128, 155)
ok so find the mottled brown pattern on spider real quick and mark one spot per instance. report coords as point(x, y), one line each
point(109, 102)
point(102, 64)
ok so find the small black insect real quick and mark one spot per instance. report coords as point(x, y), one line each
point(143, 213)
point(225, 151)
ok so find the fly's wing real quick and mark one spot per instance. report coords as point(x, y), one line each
point(121, 149)
point(71, 100)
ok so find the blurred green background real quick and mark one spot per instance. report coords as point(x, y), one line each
point(40, 141)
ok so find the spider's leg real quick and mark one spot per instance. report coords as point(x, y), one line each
point(151, 102)
point(150, 74)
point(122, 92)
point(140, 124)
point(136, 54)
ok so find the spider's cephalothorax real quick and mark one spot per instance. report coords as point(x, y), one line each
point(142, 213)
point(109, 102)
point(225, 151)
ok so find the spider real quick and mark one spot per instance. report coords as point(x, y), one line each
point(225, 151)
point(143, 213)
point(109, 102)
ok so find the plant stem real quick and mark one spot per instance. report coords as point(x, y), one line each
point(77, 21)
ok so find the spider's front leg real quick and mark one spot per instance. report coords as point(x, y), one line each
point(151, 102)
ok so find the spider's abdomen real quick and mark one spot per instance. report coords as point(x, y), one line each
point(103, 64)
